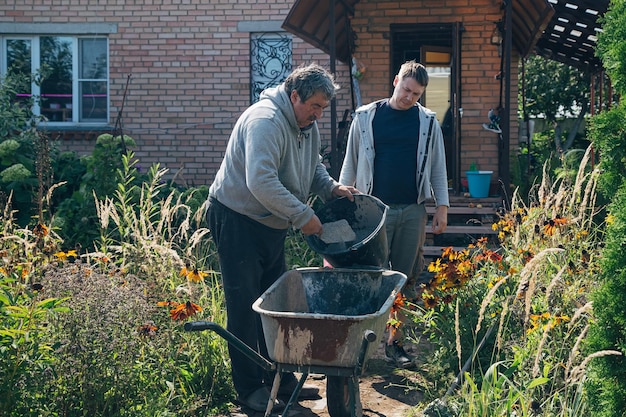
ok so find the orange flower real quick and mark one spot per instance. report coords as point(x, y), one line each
point(24, 270)
point(550, 226)
point(103, 259)
point(181, 311)
point(166, 303)
point(184, 311)
point(399, 301)
point(40, 230)
point(147, 329)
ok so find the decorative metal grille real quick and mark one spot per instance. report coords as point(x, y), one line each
point(270, 61)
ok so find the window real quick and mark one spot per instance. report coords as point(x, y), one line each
point(270, 61)
point(66, 75)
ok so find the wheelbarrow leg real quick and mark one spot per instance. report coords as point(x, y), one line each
point(294, 394)
point(273, 394)
point(353, 386)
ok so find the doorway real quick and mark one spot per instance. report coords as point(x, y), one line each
point(437, 47)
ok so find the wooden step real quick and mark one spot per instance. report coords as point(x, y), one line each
point(436, 251)
point(468, 220)
point(465, 230)
point(465, 210)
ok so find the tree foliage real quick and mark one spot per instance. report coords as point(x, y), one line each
point(612, 44)
point(606, 384)
point(554, 91)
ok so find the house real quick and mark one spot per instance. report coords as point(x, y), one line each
point(175, 75)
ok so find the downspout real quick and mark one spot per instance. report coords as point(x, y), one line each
point(505, 137)
point(335, 163)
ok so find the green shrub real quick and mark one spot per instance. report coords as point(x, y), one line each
point(606, 384)
point(18, 142)
point(607, 132)
point(76, 215)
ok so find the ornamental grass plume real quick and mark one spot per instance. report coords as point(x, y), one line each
point(522, 309)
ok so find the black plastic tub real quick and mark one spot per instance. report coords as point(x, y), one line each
point(366, 216)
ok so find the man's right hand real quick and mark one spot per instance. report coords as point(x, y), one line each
point(313, 226)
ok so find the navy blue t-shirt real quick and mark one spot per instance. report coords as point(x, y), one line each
point(396, 134)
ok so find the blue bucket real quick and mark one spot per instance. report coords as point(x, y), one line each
point(478, 183)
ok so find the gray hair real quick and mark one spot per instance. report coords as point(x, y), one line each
point(415, 70)
point(310, 79)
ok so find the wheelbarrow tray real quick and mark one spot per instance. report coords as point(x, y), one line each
point(318, 316)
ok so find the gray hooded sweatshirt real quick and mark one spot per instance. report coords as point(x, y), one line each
point(271, 166)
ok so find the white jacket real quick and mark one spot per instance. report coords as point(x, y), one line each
point(358, 164)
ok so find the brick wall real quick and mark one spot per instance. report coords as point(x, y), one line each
point(189, 67)
point(188, 63)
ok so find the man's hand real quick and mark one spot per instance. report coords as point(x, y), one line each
point(440, 220)
point(313, 226)
point(345, 191)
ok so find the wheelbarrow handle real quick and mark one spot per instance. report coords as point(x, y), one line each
point(368, 337)
point(253, 355)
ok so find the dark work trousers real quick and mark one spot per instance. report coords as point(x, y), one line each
point(252, 258)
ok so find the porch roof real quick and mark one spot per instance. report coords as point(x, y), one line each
point(562, 30)
point(310, 21)
point(571, 34)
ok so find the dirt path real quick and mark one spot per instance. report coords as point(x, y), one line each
point(384, 392)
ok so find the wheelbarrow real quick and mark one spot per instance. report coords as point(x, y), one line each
point(321, 321)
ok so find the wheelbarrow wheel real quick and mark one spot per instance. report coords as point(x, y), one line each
point(338, 397)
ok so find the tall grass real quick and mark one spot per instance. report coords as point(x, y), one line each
point(512, 336)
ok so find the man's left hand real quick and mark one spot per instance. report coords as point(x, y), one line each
point(345, 191)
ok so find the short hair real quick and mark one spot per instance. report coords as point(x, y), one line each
point(415, 70)
point(310, 79)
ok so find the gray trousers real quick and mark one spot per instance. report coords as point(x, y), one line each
point(406, 234)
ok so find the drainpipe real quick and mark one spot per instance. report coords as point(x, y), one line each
point(335, 163)
point(505, 136)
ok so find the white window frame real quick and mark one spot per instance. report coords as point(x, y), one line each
point(34, 32)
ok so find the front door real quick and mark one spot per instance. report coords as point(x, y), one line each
point(437, 47)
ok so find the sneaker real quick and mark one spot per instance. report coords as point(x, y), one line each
point(492, 127)
point(258, 400)
point(288, 383)
point(396, 354)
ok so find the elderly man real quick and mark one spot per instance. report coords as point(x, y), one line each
point(270, 168)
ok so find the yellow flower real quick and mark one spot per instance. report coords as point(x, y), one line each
point(196, 275)
point(193, 275)
point(62, 256)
